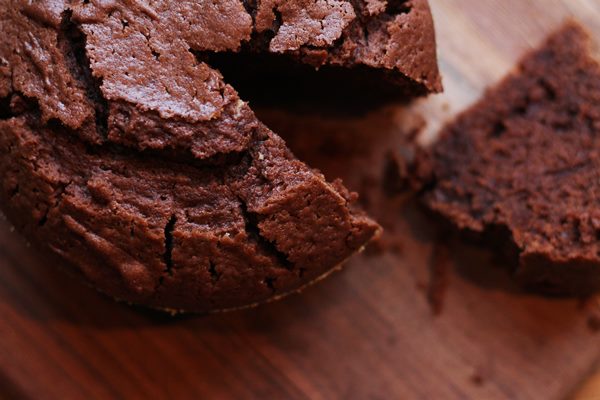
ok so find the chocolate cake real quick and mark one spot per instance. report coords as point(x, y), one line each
point(125, 152)
point(333, 55)
point(521, 168)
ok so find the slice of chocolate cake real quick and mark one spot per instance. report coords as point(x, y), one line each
point(522, 167)
point(126, 152)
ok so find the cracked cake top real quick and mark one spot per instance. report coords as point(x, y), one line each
point(128, 155)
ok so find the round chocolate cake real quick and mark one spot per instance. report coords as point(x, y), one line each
point(124, 149)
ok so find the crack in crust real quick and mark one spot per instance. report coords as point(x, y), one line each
point(252, 227)
point(72, 40)
point(168, 255)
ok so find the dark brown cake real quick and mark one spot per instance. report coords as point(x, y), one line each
point(333, 54)
point(127, 154)
point(522, 167)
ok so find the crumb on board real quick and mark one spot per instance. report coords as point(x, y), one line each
point(593, 323)
point(438, 278)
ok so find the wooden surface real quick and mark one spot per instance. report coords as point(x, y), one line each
point(384, 328)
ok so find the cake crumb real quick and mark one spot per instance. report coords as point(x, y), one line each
point(593, 323)
point(385, 244)
point(439, 275)
point(477, 379)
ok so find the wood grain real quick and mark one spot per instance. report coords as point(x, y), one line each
point(368, 332)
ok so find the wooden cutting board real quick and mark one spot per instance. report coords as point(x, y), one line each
point(410, 319)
